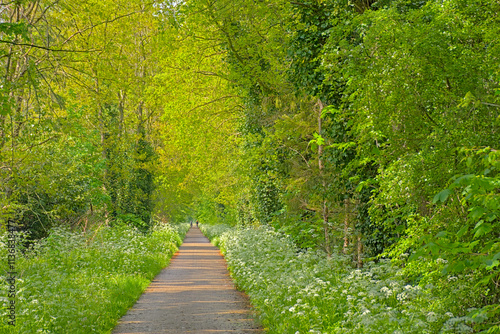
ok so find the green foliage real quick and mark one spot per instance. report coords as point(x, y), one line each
point(339, 123)
point(407, 76)
point(75, 131)
point(14, 29)
point(212, 212)
point(63, 188)
point(310, 24)
point(470, 245)
point(214, 232)
point(295, 291)
point(84, 282)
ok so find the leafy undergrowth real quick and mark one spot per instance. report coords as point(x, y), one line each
point(298, 291)
point(72, 282)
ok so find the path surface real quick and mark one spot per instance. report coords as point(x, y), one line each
point(194, 294)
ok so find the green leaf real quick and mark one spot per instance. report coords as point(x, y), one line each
point(476, 212)
point(433, 247)
point(457, 267)
point(485, 280)
point(441, 234)
point(328, 110)
point(318, 139)
point(375, 150)
point(343, 146)
point(482, 228)
point(468, 99)
point(442, 196)
point(490, 217)
point(492, 264)
point(462, 231)
point(464, 180)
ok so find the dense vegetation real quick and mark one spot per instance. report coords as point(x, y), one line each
point(83, 283)
point(296, 291)
point(367, 128)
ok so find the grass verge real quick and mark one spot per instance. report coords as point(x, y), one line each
point(72, 282)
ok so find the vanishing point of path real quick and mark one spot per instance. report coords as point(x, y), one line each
point(194, 294)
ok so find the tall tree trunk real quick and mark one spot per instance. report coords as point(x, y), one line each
point(360, 252)
point(362, 5)
point(346, 226)
point(121, 107)
point(325, 227)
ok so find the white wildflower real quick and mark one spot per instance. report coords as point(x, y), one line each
point(402, 296)
point(386, 291)
point(431, 317)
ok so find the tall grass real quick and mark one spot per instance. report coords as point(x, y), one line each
point(72, 282)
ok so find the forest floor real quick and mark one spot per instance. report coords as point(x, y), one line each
point(194, 294)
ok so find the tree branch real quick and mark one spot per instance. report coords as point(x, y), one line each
point(46, 48)
point(296, 151)
point(491, 104)
point(213, 101)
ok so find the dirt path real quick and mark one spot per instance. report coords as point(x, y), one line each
point(193, 295)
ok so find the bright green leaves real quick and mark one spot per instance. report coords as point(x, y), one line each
point(200, 115)
point(481, 229)
point(14, 29)
point(74, 114)
point(317, 141)
point(471, 245)
point(442, 196)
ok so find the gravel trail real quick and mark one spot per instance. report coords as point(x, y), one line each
point(194, 294)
